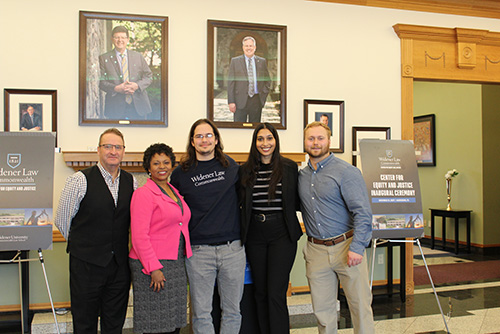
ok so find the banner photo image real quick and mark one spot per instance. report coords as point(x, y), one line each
point(391, 176)
point(26, 190)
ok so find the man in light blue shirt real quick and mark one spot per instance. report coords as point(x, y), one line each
point(337, 217)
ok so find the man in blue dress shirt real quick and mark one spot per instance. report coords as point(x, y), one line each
point(337, 217)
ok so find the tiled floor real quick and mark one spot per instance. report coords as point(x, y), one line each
point(475, 309)
point(470, 308)
point(434, 256)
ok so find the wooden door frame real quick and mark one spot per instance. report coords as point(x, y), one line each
point(442, 54)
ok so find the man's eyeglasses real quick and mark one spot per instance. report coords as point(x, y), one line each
point(109, 147)
point(200, 136)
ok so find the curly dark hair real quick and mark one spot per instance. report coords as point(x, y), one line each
point(158, 148)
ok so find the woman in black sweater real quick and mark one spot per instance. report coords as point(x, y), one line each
point(269, 225)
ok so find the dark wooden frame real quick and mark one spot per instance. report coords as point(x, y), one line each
point(82, 99)
point(356, 129)
point(246, 29)
point(308, 104)
point(431, 139)
point(9, 93)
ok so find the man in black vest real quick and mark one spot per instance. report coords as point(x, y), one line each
point(94, 217)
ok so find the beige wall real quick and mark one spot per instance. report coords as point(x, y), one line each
point(335, 52)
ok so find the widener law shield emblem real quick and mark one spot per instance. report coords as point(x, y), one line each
point(13, 159)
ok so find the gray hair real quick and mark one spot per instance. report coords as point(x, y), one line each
point(247, 38)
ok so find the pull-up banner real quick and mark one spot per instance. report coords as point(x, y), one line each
point(26, 189)
point(391, 176)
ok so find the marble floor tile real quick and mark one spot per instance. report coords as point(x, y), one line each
point(439, 260)
point(44, 318)
point(491, 321)
point(465, 324)
point(426, 324)
point(300, 309)
point(309, 330)
point(299, 304)
point(393, 325)
point(303, 298)
point(461, 286)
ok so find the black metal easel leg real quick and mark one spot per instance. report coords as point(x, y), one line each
point(25, 294)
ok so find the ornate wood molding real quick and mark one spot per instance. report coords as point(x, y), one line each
point(455, 54)
point(132, 161)
point(490, 9)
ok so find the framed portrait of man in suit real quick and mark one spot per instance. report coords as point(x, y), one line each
point(330, 113)
point(122, 69)
point(33, 110)
point(246, 74)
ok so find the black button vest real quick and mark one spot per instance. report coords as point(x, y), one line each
point(100, 230)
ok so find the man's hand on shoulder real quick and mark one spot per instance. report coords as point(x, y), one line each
point(353, 259)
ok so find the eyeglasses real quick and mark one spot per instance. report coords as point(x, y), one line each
point(200, 136)
point(109, 147)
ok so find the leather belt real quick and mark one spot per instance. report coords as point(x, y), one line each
point(261, 217)
point(333, 241)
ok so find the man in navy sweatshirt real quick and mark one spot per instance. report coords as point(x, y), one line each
point(207, 178)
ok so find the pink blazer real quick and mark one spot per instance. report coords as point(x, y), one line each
point(156, 225)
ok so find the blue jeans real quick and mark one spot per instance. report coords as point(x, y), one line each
point(224, 265)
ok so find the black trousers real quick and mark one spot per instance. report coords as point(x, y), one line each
point(98, 291)
point(271, 254)
point(127, 111)
point(252, 110)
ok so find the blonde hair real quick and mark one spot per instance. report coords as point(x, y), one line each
point(315, 124)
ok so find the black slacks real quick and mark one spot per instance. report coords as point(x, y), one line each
point(271, 254)
point(98, 291)
point(252, 110)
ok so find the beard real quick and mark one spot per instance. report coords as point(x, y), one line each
point(318, 154)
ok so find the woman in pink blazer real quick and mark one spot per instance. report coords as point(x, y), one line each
point(160, 245)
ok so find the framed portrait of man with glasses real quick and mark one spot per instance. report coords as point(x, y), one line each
point(123, 69)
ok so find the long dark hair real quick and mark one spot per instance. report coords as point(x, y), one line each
point(189, 159)
point(252, 165)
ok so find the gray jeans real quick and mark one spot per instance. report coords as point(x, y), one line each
point(223, 265)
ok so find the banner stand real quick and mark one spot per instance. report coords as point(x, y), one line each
point(17, 259)
point(417, 241)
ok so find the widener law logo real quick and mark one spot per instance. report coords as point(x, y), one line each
point(13, 160)
point(17, 179)
point(202, 179)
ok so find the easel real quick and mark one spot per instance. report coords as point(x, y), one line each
point(417, 241)
point(17, 259)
